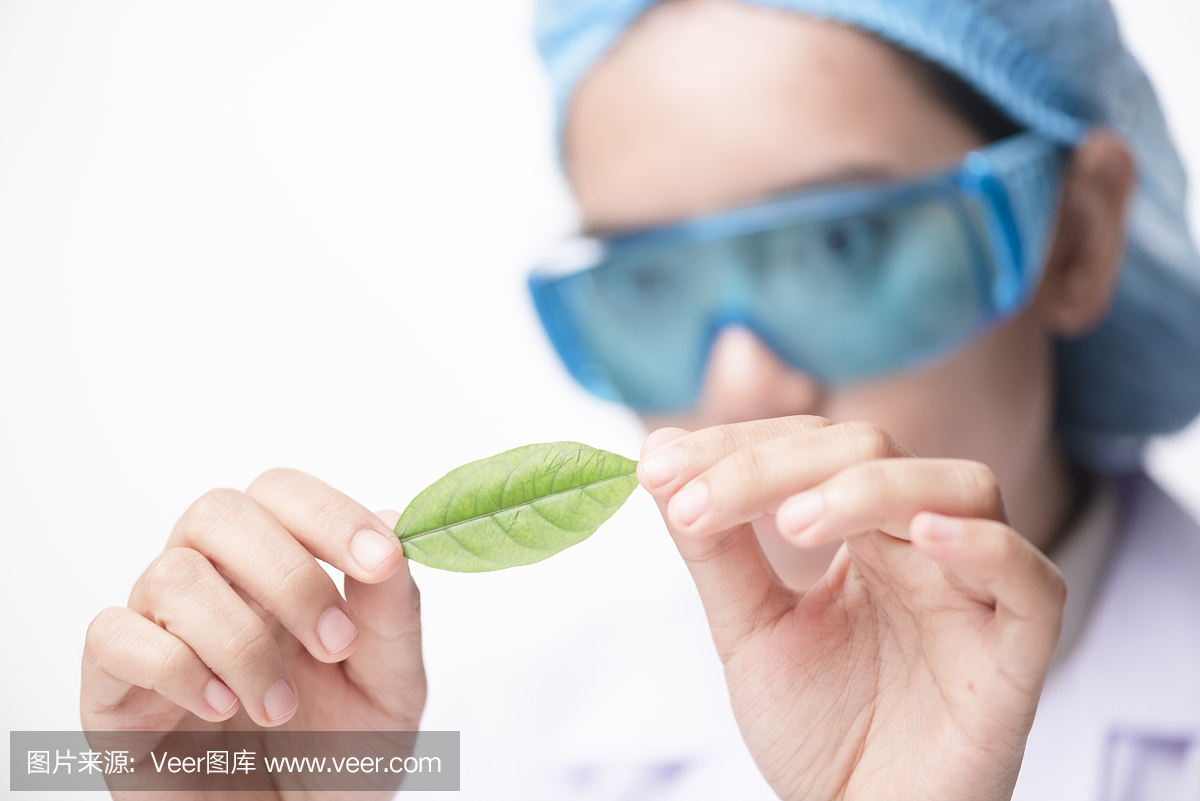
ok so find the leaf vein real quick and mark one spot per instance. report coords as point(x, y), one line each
point(550, 522)
point(447, 526)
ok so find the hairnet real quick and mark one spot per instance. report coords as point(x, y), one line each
point(1058, 67)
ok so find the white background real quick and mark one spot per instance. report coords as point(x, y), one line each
point(235, 235)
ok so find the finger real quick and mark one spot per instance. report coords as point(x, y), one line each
point(998, 566)
point(736, 583)
point(661, 437)
point(885, 494)
point(184, 593)
point(124, 650)
point(739, 589)
point(753, 481)
point(262, 558)
point(678, 459)
point(332, 526)
point(387, 663)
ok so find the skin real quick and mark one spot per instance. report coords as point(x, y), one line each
point(904, 662)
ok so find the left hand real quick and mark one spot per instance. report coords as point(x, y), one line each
point(912, 670)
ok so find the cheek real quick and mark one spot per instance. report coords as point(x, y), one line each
point(991, 402)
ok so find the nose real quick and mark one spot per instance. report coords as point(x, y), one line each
point(746, 380)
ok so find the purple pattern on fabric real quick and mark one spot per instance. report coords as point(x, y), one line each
point(653, 780)
point(1144, 766)
point(636, 783)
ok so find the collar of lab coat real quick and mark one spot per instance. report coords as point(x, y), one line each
point(1083, 556)
point(1129, 688)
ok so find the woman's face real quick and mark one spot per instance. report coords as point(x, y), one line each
point(708, 104)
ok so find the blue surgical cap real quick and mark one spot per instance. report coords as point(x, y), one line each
point(1058, 67)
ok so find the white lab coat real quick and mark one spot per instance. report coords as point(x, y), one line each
point(632, 705)
point(1119, 718)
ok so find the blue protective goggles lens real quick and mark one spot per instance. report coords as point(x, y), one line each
point(843, 283)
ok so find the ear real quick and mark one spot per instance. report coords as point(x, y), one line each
point(1085, 259)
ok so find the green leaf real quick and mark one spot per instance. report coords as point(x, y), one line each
point(515, 508)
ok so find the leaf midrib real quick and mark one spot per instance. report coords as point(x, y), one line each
point(580, 488)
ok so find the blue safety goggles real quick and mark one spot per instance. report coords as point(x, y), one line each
point(845, 283)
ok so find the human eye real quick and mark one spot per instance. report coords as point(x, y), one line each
point(641, 285)
point(849, 247)
point(841, 252)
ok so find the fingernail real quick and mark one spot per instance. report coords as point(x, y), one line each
point(690, 503)
point(370, 548)
point(661, 467)
point(336, 631)
point(942, 528)
point(218, 696)
point(279, 700)
point(799, 512)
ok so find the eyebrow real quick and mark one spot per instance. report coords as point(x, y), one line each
point(845, 174)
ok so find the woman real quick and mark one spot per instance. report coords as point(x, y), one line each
point(803, 268)
point(822, 303)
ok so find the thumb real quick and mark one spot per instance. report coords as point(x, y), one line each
point(995, 564)
point(387, 663)
point(737, 585)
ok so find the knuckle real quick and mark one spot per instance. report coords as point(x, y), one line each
point(269, 480)
point(877, 483)
point(778, 427)
point(291, 576)
point(336, 511)
point(102, 630)
point(805, 422)
point(983, 484)
point(863, 488)
point(710, 551)
point(174, 570)
point(175, 660)
point(730, 438)
point(748, 469)
point(871, 441)
point(733, 437)
point(212, 507)
point(765, 430)
point(251, 644)
point(1006, 549)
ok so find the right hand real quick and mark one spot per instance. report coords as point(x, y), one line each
point(236, 626)
point(913, 668)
